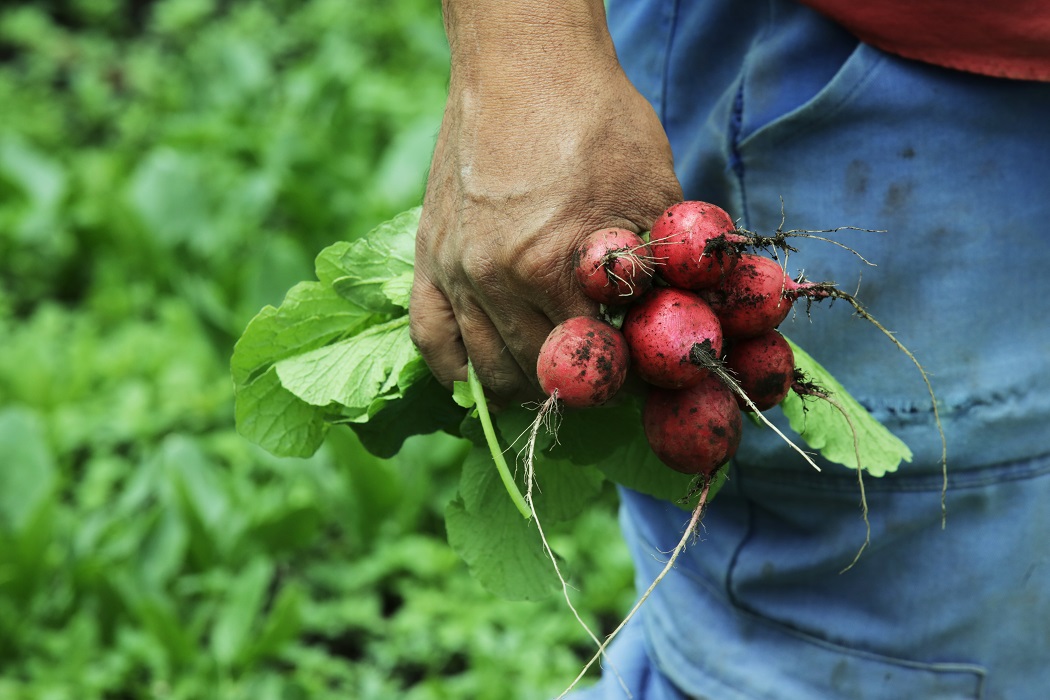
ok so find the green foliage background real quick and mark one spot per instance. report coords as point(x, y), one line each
point(166, 169)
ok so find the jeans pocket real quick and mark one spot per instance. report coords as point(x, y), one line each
point(789, 665)
point(709, 647)
point(767, 120)
point(939, 612)
point(757, 607)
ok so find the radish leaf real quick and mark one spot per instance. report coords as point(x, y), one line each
point(502, 549)
point(377, 268)
point(273, 418)
point(310, 316)
point(354, 372)
point(844, 429)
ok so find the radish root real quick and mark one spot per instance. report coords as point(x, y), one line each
point(835, 293)
point(803, 389)
point(778, 241)
point(548, 417)
point(690, 531)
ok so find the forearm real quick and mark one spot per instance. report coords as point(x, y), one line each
point(527, 50)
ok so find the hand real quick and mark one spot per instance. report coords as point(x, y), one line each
point(522, 171)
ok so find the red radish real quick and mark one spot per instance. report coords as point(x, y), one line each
point(583, 362)
point(764, 367)
point(694, 430)
point(696, 244)
point(669, 331)
point(614, 266)
point(757, 296)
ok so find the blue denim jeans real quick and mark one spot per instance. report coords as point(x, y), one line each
point(767, 102)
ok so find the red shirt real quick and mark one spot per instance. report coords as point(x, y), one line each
point(1005, 38)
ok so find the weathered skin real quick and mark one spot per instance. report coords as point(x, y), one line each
point(544, 140)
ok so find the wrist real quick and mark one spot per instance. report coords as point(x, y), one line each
point(528, 48)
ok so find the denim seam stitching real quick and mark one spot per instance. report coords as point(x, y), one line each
point(736, 158)
point(672, 23)
point(748, 534)
point(958, 480)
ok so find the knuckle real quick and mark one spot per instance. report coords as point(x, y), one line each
point(417, 333)
point(420, 314)
point(482, 269)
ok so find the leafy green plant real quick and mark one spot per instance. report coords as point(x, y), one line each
point(146, 549)
point(201, 148)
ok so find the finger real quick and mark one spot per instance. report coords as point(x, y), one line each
point(523, 322)
point(446, 339)
point(434, 330)
point(562, 295)
point(497, 367)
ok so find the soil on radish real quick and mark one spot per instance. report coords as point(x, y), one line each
point(583, 362)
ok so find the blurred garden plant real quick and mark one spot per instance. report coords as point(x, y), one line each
point(166, 168)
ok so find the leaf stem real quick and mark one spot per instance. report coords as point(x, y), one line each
point(493, 442)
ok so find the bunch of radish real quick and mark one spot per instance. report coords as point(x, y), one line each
point(699, 311)
point(692, 310)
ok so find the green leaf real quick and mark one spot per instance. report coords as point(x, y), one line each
point(168, 192)
point(426, 407)
point(502, 549)
point(164, 549)
point(282, 624)
point(636, 467)
point(156, 616)
point(231, 634)
point(399, 289)
point(840, 428)
point(413, 372)
point(275, 419)
point(28, 474)
point(592, 435)
point(462, 394)
point(328, 263)
point(354, 372)
point(378, 268)
point(515, 426)
point(377, 488)
point(564, 490)
point(310, 316)
point(40, 177)
point(201, 488)
point(611, 438)
point(331, 348)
